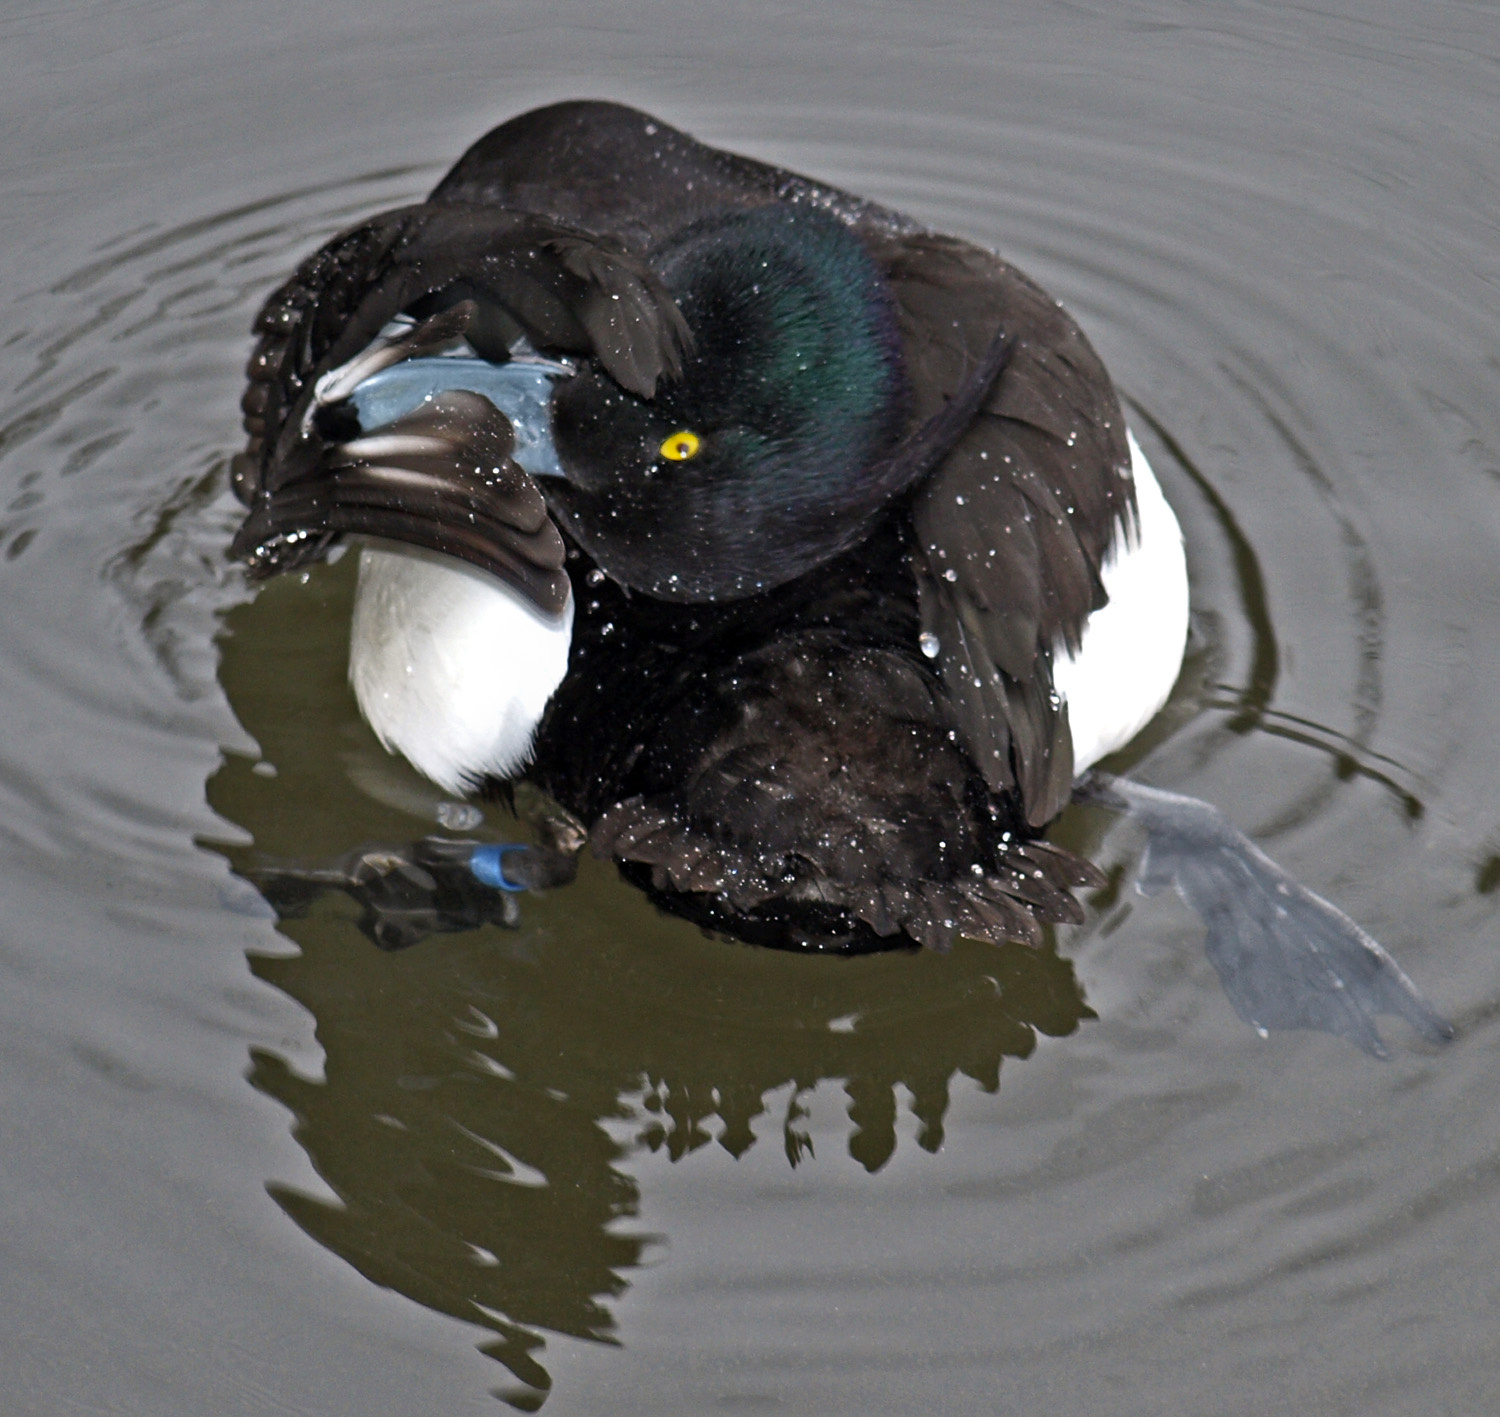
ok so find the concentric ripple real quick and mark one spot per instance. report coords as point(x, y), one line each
point(698, 1157)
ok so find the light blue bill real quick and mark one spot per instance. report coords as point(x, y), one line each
point(520, 389)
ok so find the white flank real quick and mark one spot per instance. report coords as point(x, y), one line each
point(1131, 649)
point(451, 668)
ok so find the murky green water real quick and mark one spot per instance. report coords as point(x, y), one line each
point(605, 1163)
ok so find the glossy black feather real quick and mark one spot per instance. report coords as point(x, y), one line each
point(797, 752)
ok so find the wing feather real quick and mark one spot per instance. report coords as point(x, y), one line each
point(1012, 528)
point(440, 478)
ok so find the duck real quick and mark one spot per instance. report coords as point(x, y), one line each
point(797, 556)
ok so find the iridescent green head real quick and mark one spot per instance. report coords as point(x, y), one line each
point(763, 460)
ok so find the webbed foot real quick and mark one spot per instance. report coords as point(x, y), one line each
point(435, 886)
point(438, 885)
point(405, 893)
point(1285, 956)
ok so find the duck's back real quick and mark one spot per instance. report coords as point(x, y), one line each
point(607, 168)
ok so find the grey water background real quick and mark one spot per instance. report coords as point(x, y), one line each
point(601, 1162)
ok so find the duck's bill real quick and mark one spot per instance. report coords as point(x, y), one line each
point(440, 455)
point(521, 390)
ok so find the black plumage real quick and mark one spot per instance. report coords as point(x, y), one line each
point(851, 752)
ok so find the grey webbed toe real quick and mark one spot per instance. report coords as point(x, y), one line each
point(1285, 956)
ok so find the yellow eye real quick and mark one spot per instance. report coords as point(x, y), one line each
point(681, 446)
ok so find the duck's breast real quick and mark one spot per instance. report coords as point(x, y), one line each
point(451, 668)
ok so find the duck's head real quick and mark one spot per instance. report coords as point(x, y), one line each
point(765, 456)
point(729, 415)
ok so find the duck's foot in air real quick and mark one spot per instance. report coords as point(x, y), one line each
point(1286, 957)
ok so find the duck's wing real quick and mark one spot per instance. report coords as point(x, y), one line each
point(1013, 526)
point(441, 479)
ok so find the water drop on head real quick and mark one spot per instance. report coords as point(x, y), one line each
point(931, 645)
point(595, 577)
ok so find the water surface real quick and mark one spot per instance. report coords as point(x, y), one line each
point(602, 1163)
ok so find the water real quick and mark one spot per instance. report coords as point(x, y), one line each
point(602, 1161)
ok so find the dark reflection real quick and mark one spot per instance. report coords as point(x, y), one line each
point(482, 1090)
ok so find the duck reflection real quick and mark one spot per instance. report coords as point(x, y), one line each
point(482, 1093)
